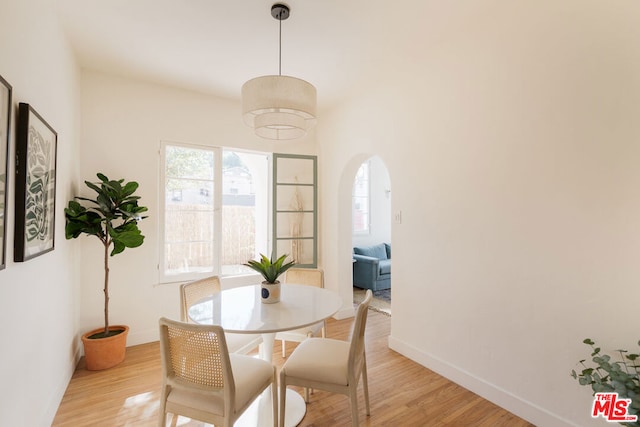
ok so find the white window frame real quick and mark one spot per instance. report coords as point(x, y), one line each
point(217, 214)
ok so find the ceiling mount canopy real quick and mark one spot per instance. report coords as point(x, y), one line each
point(279, 107)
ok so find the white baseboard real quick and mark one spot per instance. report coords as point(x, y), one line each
point(512, 403)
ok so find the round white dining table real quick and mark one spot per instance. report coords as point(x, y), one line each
point(241, 311)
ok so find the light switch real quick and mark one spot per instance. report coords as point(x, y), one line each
point(397, 217)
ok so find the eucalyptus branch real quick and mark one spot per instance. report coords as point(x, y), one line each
point(621, 377)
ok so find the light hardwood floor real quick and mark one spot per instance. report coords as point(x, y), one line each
point(402, 393)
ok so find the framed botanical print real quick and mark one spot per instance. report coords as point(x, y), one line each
point(5, 120)
point(36, 145)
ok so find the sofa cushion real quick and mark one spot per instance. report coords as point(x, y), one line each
point(376, 251)
point(385, 266)
point(388, 248)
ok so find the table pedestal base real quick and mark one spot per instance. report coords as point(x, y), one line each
point(259, 413)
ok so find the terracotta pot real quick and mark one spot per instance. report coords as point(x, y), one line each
point(104, 353)
point(270, 292)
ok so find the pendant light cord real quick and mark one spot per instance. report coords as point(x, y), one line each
point(280, 49)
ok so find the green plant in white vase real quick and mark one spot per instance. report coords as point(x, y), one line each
point(270, 269)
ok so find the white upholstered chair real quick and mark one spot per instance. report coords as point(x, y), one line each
point(202, 381)
point(331, 365)
point(192, 292)
point(308, 277)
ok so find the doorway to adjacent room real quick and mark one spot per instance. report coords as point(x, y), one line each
point(371, 220)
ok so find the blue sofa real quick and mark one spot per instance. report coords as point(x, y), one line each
point(372, 267)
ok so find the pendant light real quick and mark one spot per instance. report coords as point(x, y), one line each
point(279, 107)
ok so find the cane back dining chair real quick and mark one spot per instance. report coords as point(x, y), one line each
point(192, 292)
point(331, 365)
point(308, 277)
point(203, 381)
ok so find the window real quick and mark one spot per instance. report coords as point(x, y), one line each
point(190, 219)
point(216, 211)
point(295, 220)
point(361, 200)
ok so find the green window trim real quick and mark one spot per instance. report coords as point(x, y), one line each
point(302, 220)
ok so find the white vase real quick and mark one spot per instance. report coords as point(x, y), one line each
point(270, 292)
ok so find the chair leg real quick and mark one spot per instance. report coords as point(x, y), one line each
point(365, 385)
point(174, 420)
point(162, 411)
point(274, 397)
point(283, 397)
point(353, 394)
point(306, 389)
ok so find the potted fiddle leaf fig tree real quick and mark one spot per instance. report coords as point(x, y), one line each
point(112, 216)
point(270, 269)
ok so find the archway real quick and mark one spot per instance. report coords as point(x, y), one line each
point(380, 211)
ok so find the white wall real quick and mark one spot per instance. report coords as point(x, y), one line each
point(123, 124)
point(39, 297)
point(380, 206)
point(512, 144)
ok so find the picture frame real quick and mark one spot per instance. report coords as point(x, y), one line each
point(36, 149)
point(5, 126)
